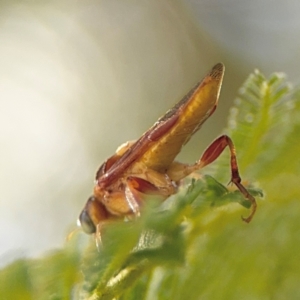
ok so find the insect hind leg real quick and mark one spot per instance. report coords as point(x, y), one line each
point(178, 171)
point(213, 152)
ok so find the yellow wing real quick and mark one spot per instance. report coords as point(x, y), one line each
point(192, 111)
point(159, 145)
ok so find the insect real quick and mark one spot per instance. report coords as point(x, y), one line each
point(147, 167)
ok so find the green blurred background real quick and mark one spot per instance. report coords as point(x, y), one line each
point(79, 78)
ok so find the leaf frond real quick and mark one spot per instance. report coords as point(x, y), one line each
point(195, 245)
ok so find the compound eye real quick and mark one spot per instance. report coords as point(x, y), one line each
point(86, 222)
point(93, 214)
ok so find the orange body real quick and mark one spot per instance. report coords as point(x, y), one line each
point(147, 167)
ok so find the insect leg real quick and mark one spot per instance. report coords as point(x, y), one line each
point(132, 196)
point(179, 171)
point(137, 189)
point(213, 152)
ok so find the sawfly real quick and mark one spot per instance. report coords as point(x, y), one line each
point(147, 167)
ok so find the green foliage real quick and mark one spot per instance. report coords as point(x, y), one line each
point(195, 245)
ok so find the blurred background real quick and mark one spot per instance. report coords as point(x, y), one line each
point(77, 79)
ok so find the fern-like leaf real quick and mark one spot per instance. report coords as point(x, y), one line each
point(195, 245)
